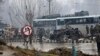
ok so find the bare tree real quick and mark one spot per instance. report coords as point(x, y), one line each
point(29, 14)
point(21, 13)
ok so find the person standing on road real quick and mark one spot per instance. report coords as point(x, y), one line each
point(98, 43)
point(97, 34)
point(77, 34)
point(92, 32)
point(87, 29)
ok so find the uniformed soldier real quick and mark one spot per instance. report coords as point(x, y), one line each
point(92, 32)
point(87, 29)
point(97, 33)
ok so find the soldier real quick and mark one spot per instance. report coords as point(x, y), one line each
point(87, 29)
point(98, 43)
point(77, 34)
point(97, 33)
point(92, 32)
point(72, 32)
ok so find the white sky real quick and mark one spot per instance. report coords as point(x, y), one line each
point(66, 7)
point(70, 6)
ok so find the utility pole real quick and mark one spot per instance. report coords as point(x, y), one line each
point(49, 1)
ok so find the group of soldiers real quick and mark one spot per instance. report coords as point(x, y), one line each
point(72, 33)
point(95, 32)
point(75, 34)
point(91, 31)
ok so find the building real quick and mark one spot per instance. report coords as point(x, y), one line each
point(82, 13)
point(50, 16)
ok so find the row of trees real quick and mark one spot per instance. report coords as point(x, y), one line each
point(22, 12)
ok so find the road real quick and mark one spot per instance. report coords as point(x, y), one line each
point(87, 48)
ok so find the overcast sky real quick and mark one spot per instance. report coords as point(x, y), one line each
point(70, 6)
point(64, 7)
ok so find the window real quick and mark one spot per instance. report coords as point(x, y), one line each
point(89, 20)
point(84, 20)
point(81, 21)
point(99, 19)
point(60, 22)
point(77, 20)
point(72, 21)
point(96, 19)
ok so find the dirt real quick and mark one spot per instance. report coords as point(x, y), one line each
point(17, 51)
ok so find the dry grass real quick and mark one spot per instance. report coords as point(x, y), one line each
point(54, 52)
point(66, 52)
point(1, 48)
point(24, 52)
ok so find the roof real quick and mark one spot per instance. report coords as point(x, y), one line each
point(43, 19)
point(66, 18)
point(79, 17)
